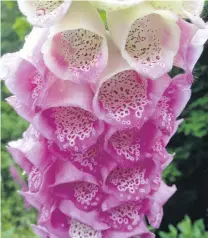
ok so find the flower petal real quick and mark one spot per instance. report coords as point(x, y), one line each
point(72, 128)
point(85, 196)
point(81, 230)
point(188, 30)
point(89, 218)
point(130, 146)
point(131, 184)
point(76, 49)
point(173, 102)
point(43, 13)
point(126, 99)
point(148, 38)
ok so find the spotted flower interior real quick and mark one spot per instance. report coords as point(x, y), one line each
point(102, 109)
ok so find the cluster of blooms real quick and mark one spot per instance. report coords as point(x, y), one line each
point(102, 109)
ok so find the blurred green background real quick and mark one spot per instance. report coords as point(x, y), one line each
point(186, 213)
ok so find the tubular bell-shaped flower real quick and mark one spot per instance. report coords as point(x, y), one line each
point(124, 98)
point(70, 123)
point(147, 38)
point(44, 13)
point(76, 48)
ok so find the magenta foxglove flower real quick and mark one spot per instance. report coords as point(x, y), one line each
point(147, 38)
point(102, 109)
point(44, 13)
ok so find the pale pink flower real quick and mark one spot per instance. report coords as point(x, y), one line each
point(76, 49)
point(44, 13)
point(147, 38)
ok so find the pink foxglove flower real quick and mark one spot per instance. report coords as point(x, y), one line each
point(44, 13)
point(76, 49)
point(147, 38)
point(123, 97)
point(102, 110)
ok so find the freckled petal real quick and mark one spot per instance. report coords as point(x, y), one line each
point(130, 146)
point(148, 38)
point(72, 128)
point(131, 184)
point(77, 49)
point(85, 196)
point(123, 98)
point(94, 160)
point(43, 13)
point(140, 231)
point(78, 229)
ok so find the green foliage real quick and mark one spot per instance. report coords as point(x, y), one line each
point(21, 27)
point(185, 229)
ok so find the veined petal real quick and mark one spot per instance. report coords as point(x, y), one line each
point(147, 38)
point(43, 13)
point(76, 49)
